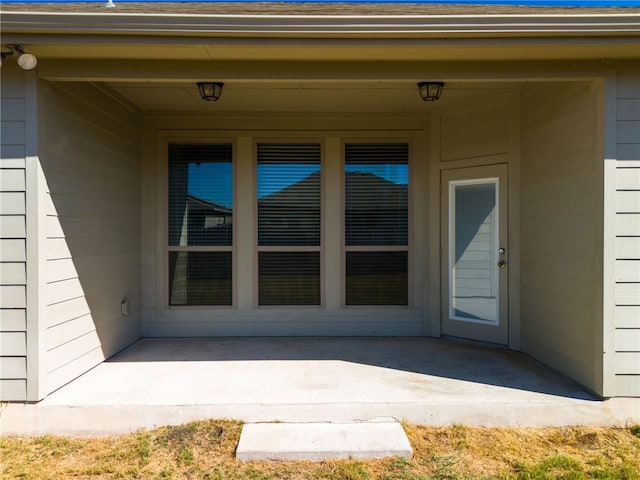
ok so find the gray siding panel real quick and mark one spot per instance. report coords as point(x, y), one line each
point(12, 226)
point(13, 320)
point(13, 281)
point(13, 296)
point(12, 180)
point(627, 385)
point(627, 316)
point(13, 250)
point(628, 271)
point(13, 273)
point(13, 368)
point(627, 246)
point(13, 344)
point(13, 203)
point(628, 225)
point(13, 156)
point(13, 390)
point(92, 173)
point(12, 132)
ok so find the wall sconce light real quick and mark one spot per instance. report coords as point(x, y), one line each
point(210, 91)
point(27, 61)
point(430, 91)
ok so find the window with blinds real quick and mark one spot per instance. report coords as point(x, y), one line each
point(376, 223)
point(289, 186)
point(200, 223)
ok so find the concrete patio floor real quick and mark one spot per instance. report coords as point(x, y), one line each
point(426, 381)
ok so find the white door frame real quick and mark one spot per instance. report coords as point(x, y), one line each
point(493, 324)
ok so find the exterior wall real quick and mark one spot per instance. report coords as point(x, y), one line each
point(91, 163)
point(627, 242)
point(561, 225)
point(13, 233)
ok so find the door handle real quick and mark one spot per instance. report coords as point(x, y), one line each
point(501, 264)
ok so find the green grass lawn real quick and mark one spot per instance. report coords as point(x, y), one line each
point(205, 450)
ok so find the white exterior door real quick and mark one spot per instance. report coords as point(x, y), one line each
point(475, 253)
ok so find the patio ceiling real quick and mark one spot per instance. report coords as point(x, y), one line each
point(253, 96)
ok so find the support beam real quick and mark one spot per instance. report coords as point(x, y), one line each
point(162, 71)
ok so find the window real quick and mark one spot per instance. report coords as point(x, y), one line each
point(376, 223)
point(200, 224)
point(289, 184)
point(278, 258)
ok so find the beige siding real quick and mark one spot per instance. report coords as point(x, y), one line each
point(561, 239)
point(13, 281)
point(91, 167)
point(627, 246)
point(486, 134)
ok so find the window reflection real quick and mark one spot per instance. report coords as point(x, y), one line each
point(376, 199)
point(200, 215)
point(200, 195)
point(289, 214)
point(376, 181)
point(289, 185)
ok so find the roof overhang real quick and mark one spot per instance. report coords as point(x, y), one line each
point(319, 26)
point(94, 45)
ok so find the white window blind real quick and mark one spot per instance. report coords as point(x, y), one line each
point(289, 194)
point(376, 223)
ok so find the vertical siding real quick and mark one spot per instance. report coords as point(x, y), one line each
point(627, 246)
point(90, 157)
point(561, 224)
point(13, 281)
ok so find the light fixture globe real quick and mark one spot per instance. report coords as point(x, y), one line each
point(430, 91)
point(210, 91)
point(27, 61)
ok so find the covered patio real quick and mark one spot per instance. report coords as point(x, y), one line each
point(112, 232)
point(436, 382)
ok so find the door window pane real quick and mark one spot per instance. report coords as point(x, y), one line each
point(376, 278)
point(289, 278)
point(200, 278)
point(473, 263)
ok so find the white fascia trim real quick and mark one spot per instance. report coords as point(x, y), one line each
point(321, 26)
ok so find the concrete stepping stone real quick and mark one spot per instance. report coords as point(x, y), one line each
point(322, 441)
